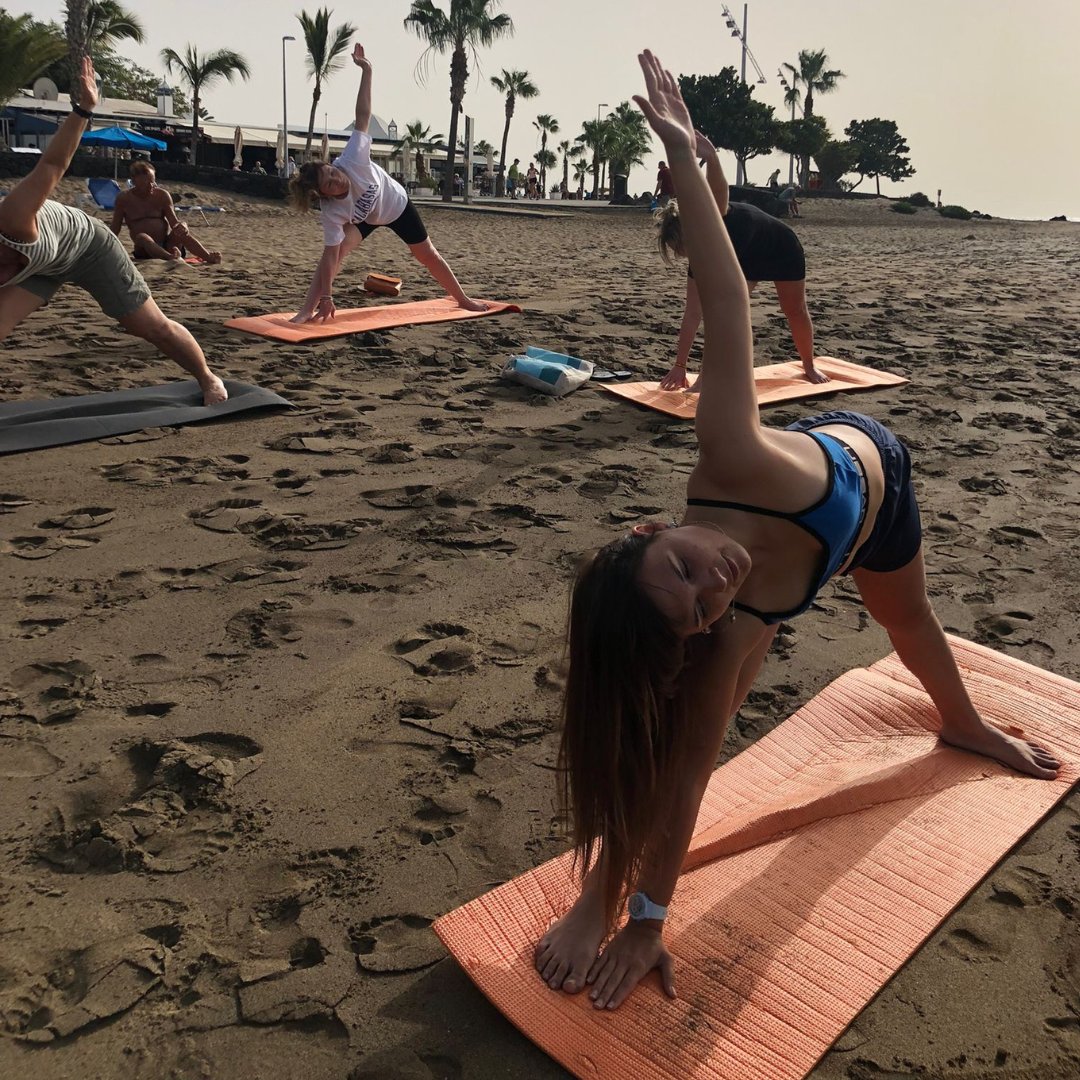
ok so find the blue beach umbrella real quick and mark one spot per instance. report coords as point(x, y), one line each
point(120, 138)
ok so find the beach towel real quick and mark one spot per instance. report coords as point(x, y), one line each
point(774, 383)
point(824, 856)
point(34, 425)
point(361, 320)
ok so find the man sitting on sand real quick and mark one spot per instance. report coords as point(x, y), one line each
point(148, 212)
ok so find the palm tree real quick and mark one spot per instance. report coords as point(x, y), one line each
point(582, 168)
point(27, 48)
point(546, 159)
point(199, 71)
point(812, 74)
point(324, 55)
point(108, 22)
point(628, 138)
point(546, 125)
point(564, 149)
point(514, 84)
point(468, 25)
point(592, 137)
point(417, 139)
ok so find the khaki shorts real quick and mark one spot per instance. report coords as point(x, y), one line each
point(104, 271)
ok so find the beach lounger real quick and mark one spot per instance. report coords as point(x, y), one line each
point(103, 191)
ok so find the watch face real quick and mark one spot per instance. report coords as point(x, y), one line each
point(636, 906)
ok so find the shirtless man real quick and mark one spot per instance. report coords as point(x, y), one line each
point(148, 212)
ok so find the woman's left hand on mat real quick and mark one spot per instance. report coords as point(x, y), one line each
point(630, 955)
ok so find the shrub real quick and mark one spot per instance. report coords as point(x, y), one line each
point(957, 212)
point(918, 199)
point(902, 207)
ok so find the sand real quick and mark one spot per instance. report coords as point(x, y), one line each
point(278, 691)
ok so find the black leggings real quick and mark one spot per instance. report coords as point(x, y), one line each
point(407, 225)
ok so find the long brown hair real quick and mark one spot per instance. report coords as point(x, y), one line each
point(622, 712)
point(304, 186)
point(668, 226)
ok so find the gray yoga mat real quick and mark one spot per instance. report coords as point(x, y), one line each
point(33, 425)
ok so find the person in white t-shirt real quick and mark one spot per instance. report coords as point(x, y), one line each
point(356, 197)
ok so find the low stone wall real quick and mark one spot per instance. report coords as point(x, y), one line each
point(239, 183)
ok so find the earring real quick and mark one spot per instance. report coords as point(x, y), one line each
point(706, 630)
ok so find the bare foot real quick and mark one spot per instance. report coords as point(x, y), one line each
point(176, 255)
point(1025, 757)
point(815, 376)
point(472, 305)
point(213, 389)
point(213, 257)
point(566, 952)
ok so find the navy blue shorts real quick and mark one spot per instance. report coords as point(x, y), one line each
point(407, 225)
point(897, 533)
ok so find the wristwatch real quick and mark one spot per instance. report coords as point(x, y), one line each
point(641, 907)
point(86, 114)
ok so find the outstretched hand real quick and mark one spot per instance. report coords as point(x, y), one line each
point(359, 59)
point(664, 107)
point(86, 92)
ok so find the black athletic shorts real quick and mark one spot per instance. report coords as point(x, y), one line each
point(407, 225)
point(897, 533)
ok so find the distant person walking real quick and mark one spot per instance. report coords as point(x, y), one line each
point(513, 179)
point(355, 197)
point(774, 181)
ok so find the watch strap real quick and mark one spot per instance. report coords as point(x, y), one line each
point(640, 908)
point(86, 114)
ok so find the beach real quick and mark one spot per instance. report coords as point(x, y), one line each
point(278, 691)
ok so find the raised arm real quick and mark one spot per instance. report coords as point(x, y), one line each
point(727, 414)
point(19, 209)
point(363, 97)
point(714, 172)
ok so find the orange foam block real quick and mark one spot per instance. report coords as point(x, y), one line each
point(360, 320)
point(774, 383)
point(824, 856)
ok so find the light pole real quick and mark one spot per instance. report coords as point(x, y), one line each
point(789, 92)
point(285, 109)
point(733, 26)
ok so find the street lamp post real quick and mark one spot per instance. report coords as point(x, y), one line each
point(285, 108)
point(733, 26)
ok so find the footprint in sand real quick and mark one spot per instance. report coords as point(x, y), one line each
point(25, 759)
point(55, 995)
point(165, 807)
point(156, 472)
point(42, 547)
point(278, 532)
point(275, 623)
point(9, 503)
point(449, 531)
point(395, 943)
point(50, 692)
point(438, 649)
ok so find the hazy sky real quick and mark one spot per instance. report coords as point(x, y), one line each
point(984, 91)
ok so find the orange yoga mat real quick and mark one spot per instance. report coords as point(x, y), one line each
point(360, 320)
point(774, 383)
point(824, 856)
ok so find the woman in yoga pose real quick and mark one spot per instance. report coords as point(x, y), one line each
point(356, 197)
point(767, 250)
point(44, 244)
point(670, 624)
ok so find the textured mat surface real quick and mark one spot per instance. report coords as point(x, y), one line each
point(774, 383)
point(824, 856)
point(359, 320)
point(34, 425)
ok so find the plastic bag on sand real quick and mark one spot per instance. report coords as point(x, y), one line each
point(549, 372)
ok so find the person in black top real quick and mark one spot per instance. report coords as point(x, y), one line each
point(767, 250)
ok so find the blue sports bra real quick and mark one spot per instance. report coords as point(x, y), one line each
point(835, 520)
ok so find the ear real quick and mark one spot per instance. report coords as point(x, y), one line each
point(649, 528)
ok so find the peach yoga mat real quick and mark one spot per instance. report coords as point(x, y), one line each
point(360, 320)
point(774, 383)
point(825, 855)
